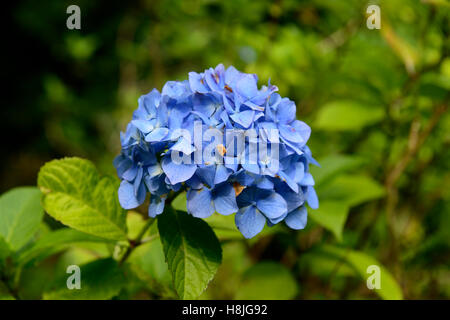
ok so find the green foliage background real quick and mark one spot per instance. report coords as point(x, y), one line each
point(377, 102)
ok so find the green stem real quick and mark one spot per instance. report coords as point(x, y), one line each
point(138, 241)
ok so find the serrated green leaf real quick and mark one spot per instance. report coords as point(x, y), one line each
point(332, 216)
point(347, 116)
point(192, 252)
point(76, 195)
point(54, 242)
point(100, 280)
point(20, 215)
point(360, 261)
point(267, 281)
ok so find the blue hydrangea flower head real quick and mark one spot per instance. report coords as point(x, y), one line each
point(234, 147)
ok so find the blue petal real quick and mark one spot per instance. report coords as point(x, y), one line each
point(303, 129)
point(197, 83)
point(177, 173)
point(291, 183)
point(156, 206)
point(138, 180)
point(274, 221)
point(225, 199)
point(311, 198)
point(272, 206)
point(195, 182)
point(183, 145)
point(122, 164)
point(297, 219)
point(222, 174)
point(207, 174)
point(127, 197)
point(290, 133)
point(157, 135)
point(143, 125)
point(286, 111)
point(131, 173)
point(264, 183)
point(307, 180)
point(249, 221)
point(293, 199)
point(247, 197)
point(246, 86)
point(199, 203)
point(244, 118)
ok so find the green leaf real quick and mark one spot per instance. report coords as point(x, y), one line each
point(76, 195)
point(331, 166)
point(192, 252)
point(4, 249)
point(100, 280)
point(352, 189)
point(360, 261)
point(180, 202)
point(148, 262)
point(267, 281)
point(347, 116)
point(20, 215)
point(332, 216)
point(54, 242)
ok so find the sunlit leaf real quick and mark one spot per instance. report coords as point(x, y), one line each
point(192, 251)
point(20, 215)
point(54, 242)
point(76, 195)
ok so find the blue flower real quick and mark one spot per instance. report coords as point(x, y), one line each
point(263, 179)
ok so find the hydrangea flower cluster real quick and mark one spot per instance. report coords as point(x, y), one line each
point(159, 155)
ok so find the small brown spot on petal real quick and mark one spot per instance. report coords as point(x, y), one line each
point(221, 149)
point(228, 88)
point(238, 188)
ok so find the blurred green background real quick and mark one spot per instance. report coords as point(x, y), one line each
point(377, 102)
